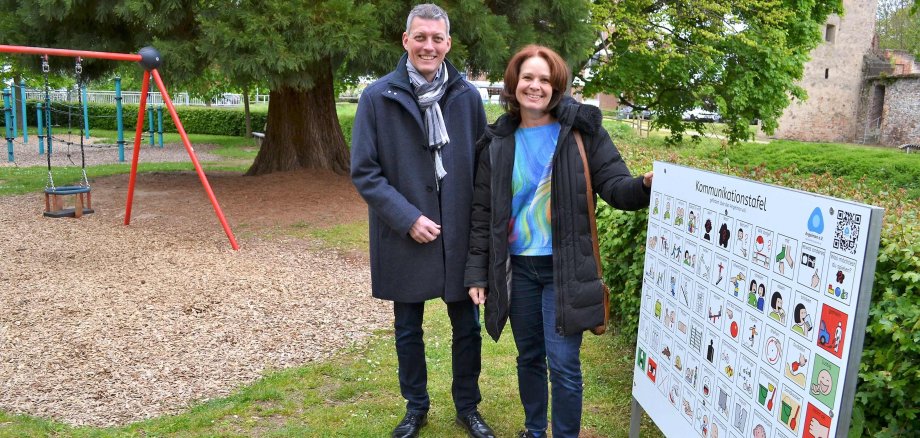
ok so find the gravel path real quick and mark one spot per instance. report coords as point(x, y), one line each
point(103, 324)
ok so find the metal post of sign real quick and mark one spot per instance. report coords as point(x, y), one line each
point(635, 418)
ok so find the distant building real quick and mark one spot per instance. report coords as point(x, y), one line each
point(856, 92)
point(608, 101)
point(890, 99)
point(833, 79)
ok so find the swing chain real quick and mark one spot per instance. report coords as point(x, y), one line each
point(45, 70)
point(50, 182)
point(78, 70)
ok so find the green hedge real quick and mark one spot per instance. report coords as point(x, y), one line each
point(196, 120)
point(887, 402)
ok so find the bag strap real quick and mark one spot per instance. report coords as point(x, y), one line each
point(590, 192)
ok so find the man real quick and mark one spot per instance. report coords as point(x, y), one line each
point(412, 159)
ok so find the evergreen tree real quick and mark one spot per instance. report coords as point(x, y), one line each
point(295, 47)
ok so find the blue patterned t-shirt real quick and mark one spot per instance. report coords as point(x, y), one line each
point(531, 232)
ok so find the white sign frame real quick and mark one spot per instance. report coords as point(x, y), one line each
point(782, 260)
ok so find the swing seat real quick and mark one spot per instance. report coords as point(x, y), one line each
point(56, 197)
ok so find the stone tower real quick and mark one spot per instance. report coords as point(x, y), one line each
point(833, 79)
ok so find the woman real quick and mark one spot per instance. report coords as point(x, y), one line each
point(531, 246)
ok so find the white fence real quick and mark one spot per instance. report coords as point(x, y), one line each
point(486, 91)
point(153, 98)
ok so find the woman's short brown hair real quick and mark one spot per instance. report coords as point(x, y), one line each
point(558, 74)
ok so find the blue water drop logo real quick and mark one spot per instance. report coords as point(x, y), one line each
point(816, 221)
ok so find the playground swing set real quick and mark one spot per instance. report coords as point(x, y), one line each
point(55, 197)
point(154, 115)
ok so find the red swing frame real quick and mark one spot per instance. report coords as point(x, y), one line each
point(149, 70)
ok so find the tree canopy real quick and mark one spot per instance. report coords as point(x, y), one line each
point(898, 26)
point(294, 47)
point(742, 57)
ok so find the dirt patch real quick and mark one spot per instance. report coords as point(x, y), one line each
point(104, 324)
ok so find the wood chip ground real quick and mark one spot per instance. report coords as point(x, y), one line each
point(104, 324)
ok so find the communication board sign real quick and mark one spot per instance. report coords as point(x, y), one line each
point(754, 305)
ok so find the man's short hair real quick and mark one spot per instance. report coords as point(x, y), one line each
point(428, 11)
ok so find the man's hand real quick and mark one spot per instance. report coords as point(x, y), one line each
point(478, 294)
point(424, 230)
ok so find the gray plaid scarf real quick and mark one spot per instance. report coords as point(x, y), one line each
point(428, 94)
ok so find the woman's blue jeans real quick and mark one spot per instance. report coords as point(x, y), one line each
point(533, 317)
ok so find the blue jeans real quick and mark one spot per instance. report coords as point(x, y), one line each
point(533, 317)
point(466, 347)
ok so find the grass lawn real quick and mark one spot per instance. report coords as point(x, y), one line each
point(356, 394)
point(240, 151)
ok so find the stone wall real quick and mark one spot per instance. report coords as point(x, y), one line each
point(890, 110)
point(901, 111)
point(833, 79)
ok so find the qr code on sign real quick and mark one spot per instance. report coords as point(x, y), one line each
point(847, 233)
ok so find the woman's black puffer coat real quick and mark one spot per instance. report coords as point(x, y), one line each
point(580, 294)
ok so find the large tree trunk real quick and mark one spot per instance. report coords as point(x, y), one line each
point(303, 130)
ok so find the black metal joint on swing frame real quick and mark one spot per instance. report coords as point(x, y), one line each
point(150, 58)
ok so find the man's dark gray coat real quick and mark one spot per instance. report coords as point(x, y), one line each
point(393, 170)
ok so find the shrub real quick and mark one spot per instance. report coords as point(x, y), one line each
point(493, 111)
point(197, 120)
point(887, 403)
point(623, 257)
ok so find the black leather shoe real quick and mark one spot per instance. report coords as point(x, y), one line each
point(525, 434)
point(410, 425)
point(475, 426)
